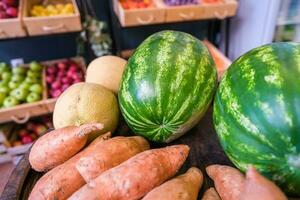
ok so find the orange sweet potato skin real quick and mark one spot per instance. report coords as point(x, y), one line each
point(110, 154)
point(260, 188)
point(136, 176)
point(183, 187)
point(228, 181)
point(60, 182)
point(57, 146)
point(211, 194)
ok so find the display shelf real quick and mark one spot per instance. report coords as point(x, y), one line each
point(23, 112)
point(161, 13)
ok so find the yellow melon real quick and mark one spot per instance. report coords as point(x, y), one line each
point(84, 103)
point(106, 71)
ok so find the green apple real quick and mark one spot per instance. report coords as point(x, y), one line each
point(35, 66)
point(4, 89)
point(3, 67)
point(37, 88)
point(33, 97)
point(13, 85)
point(17, 78)
point(20, 94)
point(10, 101)
point(6, 76)
point(19, 70)
point(34, 74)
point(32, 80)
point(25, 85)
point(2, 97)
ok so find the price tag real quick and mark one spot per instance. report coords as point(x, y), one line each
point(17, 62)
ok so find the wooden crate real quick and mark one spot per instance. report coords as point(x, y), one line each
point(52, 24)
point(222, 10)
point(23, 112)
point(136, 17)
point(13, 27)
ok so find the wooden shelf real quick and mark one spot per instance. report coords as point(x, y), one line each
point(161, 13)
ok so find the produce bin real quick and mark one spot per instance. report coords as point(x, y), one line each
point(13, 27)
point(51, 24)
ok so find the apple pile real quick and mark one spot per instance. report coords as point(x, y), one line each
point(20, 84)
point(29, 132)
point(61, 75)
point(135, 4)
point(8, 9)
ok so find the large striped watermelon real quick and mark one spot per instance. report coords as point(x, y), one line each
point(167, 85)
point(257, 113)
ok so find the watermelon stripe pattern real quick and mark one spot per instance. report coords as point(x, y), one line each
point(257, 113)
point(167, 85)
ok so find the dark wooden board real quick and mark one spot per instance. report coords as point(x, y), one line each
point(204, 150)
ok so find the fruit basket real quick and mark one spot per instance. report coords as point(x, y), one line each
point(12, 27)
point(43, 25)
point(23, 112)
point(163, 13)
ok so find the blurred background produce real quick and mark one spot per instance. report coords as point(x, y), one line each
point(9, 9)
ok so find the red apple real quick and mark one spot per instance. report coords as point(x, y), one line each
point(10, 2)
point(61, 73)
point(33, 136)
point(51, 70)
point(26, 139)
point(12, 12)
point(56, 85)
point(3, 6)
point(73, 68)
point(66, 80)
point(62, 65)
point(77, 81)
point(50, 79)
point(56, 93)
point(3, 15)
point(65, 86)
point(23, 132)
point(77, 76)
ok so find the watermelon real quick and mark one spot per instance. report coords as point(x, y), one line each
point(167, 85)
point(257, 113)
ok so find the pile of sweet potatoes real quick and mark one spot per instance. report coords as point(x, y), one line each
point(125, 168)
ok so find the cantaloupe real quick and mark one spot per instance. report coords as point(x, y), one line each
point(106, 71)
point(86, 103)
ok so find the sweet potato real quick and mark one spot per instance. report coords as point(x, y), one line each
point(63, 180)
point(57, 146)
point(135, 177)
point(183, 187)
point(260, 188)
point(228, 181)
point(110, 154)
point(211, 194)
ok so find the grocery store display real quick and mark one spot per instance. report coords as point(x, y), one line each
point(136, 4)
point(211, 194)
point(20, 84)
point(167, 86)
point(258, 187)
point(229, 181)
point(64, 180)
point(256, 113)
point(46, 153)
point(41, 10)
point(86, 103)
point(180, 2)
point(61, 75)
point(106, 71)
point(135, 177)
point(8, 9)
point(183, 187)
